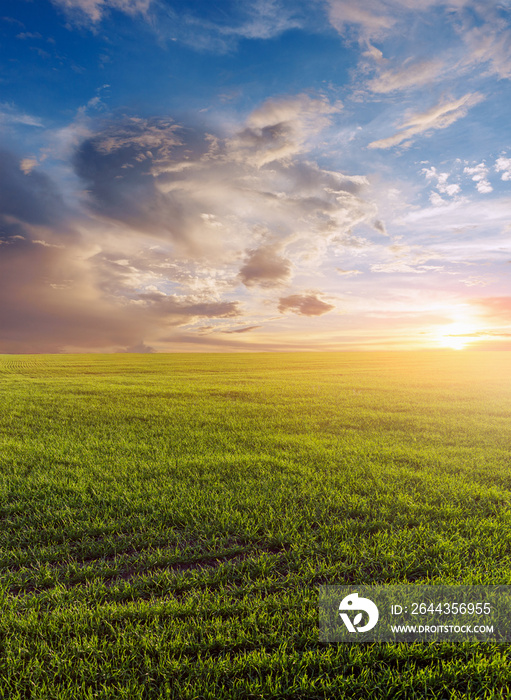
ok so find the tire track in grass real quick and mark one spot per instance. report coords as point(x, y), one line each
point(22, 364)
point(74, 573)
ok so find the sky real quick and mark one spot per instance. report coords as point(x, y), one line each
point(254, 175)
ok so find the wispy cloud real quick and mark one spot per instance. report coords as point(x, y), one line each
point(246, 329)
point(222, 30)
point(28, 35)
point(489, 42)
point(473, 42)
point(348, 273)
point(93, 10)
point(440, 116)
point(375, 18)
point(9, 114)
point(253, 19)
point(264, 20)
point(413, 75)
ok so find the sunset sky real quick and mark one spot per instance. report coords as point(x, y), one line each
point(254, 175)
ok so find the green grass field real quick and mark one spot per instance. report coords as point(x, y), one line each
point(166, 520)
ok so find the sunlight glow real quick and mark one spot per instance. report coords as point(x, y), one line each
point(456, 335)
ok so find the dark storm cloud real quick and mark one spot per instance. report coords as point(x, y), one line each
point(48, 298)
point(116, 166)
point(30, 197)
point(51, 302)
point(304, 304)
point(55, 293)
point(47, 302)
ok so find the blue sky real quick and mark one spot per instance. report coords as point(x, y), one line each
point(259, 175)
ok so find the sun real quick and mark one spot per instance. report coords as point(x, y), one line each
point(456, 335)
point(454, 343)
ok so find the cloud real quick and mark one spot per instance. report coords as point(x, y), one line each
point(116, 166)
point(54, 300)
point(412, 76)
point(304, 305)
point(348, 273)
point(12, 20)
point(265, 267)
point(436, 200)
point(489, 42)
point(28, 35)
point(503, 165)
point(174, 307)
point(474, 281)
point(93, 10)
point(252, 19)
point(281, 128)
point(246, 329)
point(374, 19)
point(480, 176)
point(58, 292)
point(264, 19)
point(443, 187)
point(408, 258)
point(472, 42)
point(9, 114)
point(171, 226)
point(50, 301)
point(474, 229)
point(26, 195)
point(214, 197)
point(28, 164)
point(440, 116)
point(379, 226)
point(218, 30)
point(142, 135)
